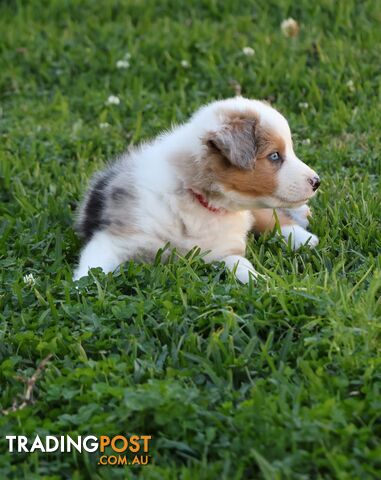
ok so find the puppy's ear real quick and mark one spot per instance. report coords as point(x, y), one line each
point(236, 141)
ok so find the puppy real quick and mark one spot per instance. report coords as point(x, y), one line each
point(202, 183)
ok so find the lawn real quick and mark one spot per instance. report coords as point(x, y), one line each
point(279, 380)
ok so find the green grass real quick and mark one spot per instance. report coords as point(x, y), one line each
point(276, 381)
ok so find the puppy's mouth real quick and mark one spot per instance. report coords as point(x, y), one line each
point(246, 202)
point(285, 203)
point(288, 204)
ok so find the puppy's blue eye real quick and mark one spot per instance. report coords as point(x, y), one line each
point(274, 157)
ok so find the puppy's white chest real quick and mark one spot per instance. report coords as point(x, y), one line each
point(210, 231)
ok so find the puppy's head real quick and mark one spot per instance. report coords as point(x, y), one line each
point(249, 153)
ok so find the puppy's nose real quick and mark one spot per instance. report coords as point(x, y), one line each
point(315, 182)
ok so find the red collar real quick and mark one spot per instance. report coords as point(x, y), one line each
point(204, 202)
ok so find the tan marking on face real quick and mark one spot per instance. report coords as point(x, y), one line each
point(261, 180)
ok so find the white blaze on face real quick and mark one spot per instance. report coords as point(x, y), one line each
point(293, 180)
point(294, 175)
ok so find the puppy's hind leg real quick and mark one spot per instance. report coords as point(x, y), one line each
point(292, 222)
point(265, 219)
point(100, 251)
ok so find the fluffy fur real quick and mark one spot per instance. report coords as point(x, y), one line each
point(203, 183)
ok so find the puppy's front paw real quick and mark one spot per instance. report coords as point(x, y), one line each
point(300, 214)
point(244, 273)
point(241, 267)
point(299, 236)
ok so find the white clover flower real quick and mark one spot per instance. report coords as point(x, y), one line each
point(350, 85)
point(248, 51)
point(104, 125)
point(29, 279)
point(303, 105)
point(122, 64)
point(113, 100)
point(306, 141)
point(184, 64)
point(290, 27)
